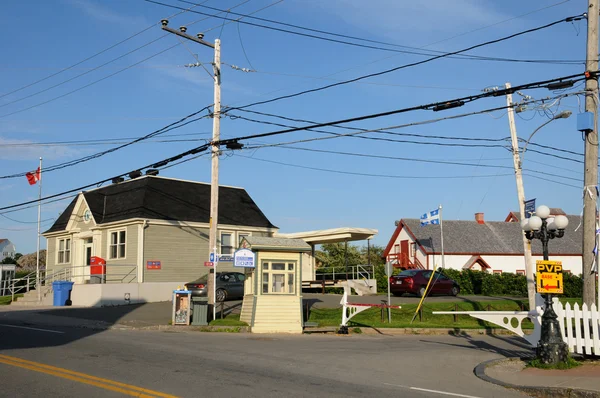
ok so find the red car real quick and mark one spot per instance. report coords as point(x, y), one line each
point(414, 281)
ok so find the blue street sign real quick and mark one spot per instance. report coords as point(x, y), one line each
point(529, 207)
point(212, 257)
point(225, 257)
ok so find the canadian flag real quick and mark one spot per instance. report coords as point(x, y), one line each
point(34, 176)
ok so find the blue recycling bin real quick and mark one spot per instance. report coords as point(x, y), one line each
point(62, 291)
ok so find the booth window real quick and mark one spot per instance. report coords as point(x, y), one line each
point(278, 277)
point(117, 244)
point(64, 251)
point(226, 243)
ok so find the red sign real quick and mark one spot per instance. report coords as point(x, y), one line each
point(153, 264)
point(97, 266)
point(209, 263)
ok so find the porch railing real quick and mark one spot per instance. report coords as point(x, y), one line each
point(339, 273)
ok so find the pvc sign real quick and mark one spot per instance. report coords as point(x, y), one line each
point(244, 258)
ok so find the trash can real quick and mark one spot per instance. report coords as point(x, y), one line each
point(199, 311)
point(62, 292)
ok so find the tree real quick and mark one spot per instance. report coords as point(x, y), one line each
point(8, 260)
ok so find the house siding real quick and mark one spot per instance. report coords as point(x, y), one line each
point(181, 251)
point(122, 269)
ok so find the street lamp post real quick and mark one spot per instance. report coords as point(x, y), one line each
point(551, 348)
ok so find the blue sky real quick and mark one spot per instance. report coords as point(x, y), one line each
point(43, 37)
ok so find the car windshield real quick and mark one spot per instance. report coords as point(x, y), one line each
point(410, 272)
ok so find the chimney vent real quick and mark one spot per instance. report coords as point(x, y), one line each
point(479, 218)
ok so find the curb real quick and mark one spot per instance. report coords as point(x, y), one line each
point(535, 391)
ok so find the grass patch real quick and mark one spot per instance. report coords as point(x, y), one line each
point(570, 364)
point(401, 318)
point(229, 320)
point(6, 300)
point(235, 329)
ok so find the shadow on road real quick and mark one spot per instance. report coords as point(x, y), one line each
point(521, 350)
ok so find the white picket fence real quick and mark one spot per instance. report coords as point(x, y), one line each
point(579, 327)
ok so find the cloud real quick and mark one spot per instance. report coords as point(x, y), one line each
point(11, 149)
point(429, 18)
point(104, 14)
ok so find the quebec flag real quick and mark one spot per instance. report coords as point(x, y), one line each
point(432, 217)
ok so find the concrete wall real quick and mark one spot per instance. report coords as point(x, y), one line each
point(101, 295)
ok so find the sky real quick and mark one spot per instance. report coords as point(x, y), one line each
point(69, 74)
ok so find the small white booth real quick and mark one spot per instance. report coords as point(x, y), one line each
point(273, 288)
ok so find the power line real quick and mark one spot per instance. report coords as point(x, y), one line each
point(169, 127)
point(437, 106)
point(569, 19)
point(410, 50)
point(92, 56)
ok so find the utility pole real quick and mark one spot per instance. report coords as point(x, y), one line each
point(591, 156)
point(214, 180)
point(521, 196)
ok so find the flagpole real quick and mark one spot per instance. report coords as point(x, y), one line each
point(37, 263)
point(442, 236)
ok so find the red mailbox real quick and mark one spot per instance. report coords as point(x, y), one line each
point(97, 266)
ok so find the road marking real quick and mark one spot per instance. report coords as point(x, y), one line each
point(25, 327)
point(433, 391)
point(99, 382)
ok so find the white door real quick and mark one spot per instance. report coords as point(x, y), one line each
point(81, 268)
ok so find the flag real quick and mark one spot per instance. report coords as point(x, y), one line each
point(432, 217)
point(34, 176)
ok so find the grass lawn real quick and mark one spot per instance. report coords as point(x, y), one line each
point(229, 320)
point(5, 300)
point(401, 318)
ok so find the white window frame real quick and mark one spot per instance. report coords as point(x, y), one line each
point(239, 239)
point(66, 252)
point(270, 272)
point(232, 243)
point(118, 244)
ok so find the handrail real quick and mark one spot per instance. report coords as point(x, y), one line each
point(354, 272)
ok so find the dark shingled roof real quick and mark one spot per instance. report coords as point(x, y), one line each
point(492, 237)
point(162, 198)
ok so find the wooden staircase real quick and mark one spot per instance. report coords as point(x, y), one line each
point(403, 261)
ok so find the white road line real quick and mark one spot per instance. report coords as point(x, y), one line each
point(25, 327)
point(433, 391)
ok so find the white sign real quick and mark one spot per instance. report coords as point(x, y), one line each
point(243, 258)
point(389, 269)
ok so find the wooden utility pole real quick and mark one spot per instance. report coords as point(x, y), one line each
point(591, 156)
point(521, 197)
point(214, 179)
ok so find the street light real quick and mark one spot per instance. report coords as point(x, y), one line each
point(551, 348)
point(561, 115)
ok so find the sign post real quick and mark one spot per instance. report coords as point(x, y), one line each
point(389, 270)
point(549, 277)
point(212, 258)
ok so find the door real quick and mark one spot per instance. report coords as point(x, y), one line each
point(404, 254)
point(88, 246)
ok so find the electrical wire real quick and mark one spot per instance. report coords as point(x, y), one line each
point(94, 55)
point(405, 65)
point(175, 125)
point(411, 51)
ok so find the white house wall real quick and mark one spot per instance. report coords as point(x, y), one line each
point(504, 263)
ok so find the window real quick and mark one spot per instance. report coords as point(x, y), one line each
point(242, 235)
point(226, 243)
point(117, 244)
point(520, 272)
point(278, 277)
point(64, 251)
point(413, 249)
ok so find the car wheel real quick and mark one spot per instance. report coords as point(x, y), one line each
point(221, 295)
point(455, 290)
point(421, 292)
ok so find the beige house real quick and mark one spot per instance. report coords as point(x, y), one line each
point(150, 229)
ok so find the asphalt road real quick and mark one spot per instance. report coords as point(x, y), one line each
point(65, 362)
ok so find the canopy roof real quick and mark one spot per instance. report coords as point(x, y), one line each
point(333, 235)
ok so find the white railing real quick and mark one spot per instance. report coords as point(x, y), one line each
point(339, 273)
point(579, 327)
point(79, 274)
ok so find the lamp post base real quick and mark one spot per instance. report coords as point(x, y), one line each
point(551, 348)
